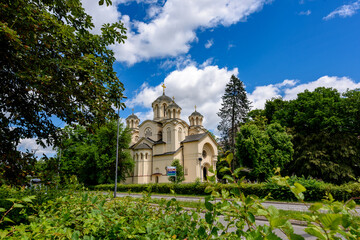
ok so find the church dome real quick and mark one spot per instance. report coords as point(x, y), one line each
point(196, 113)
point(163, 98)
point(132, 116)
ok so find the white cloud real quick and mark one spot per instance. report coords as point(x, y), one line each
point(344, 11)
point(209, 43)
point(203, 87)
point(101, 14)
point(306, 13)
point(29, 144)
point(179, 62)
point(340, 83)
point(172, 26)
point(288, 89)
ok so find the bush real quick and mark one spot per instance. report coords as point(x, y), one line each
point(315, 190)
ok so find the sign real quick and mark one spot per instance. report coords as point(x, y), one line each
point(171, 171)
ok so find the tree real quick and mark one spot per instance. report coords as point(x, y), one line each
point(51, 65)
point(91, 157)
point(234, 109)
point(263, 148)
point(179, 172)
point(325, 129)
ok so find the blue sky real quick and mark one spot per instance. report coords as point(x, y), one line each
point(277, 48)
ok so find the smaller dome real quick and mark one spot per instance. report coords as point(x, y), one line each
point(196, 113)
point(132, 116)
point(173, 105)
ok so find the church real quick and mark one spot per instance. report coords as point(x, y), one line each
point(156, 143)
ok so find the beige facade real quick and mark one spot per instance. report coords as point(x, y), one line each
point(156, 143)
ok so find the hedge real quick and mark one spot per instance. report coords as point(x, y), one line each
point(315, 190)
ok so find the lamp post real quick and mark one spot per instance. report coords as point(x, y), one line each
point(117, 151)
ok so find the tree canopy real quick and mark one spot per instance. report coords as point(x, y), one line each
point(51, 65)
point(234, 109)
point(91, 157)
point(326, 132)
point(263, 148)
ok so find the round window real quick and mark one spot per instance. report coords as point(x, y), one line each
point(204, 154)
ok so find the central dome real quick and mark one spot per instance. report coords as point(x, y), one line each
point(163, 98)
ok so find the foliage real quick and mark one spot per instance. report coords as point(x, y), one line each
point(325, 129)
point(234, 109)
point(179, 172)
point(91, 157)
point(47, 169)
point(263, 148)
point(84, 215)
point(315, 189)
point(51, 65)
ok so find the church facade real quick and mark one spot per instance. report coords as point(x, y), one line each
point(156, 143)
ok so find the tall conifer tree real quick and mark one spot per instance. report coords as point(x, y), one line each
point(234, 109)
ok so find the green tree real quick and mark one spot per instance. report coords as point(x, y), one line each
point(263, 148)
point(91, 157)
point(325, 129)
point(179, 172)
point(51, 65)
point(233, 112)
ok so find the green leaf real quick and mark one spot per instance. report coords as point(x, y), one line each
point(229, 178)
point(2, 210)
point(224, 169)
point(294, 236)
point(17, 205)
point(229, 158)
point(208, 205)
point(316, 206)
point(251, 217)
point(101, 2)
point(208, 217)
point(209, 189)
point(6, 219)
point(331, 220)
point(315, 232)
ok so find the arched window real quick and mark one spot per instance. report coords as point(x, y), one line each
point(148, 132)
point(174, 115)
point(142, 156)
point(146, 155)
point(164, 109)
point(159, 135)
point(180, 135)
point(168, 137)
point(157, 110)
point(137, 156)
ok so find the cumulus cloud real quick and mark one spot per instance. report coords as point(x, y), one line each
point(346, 10)
point(209, 43)
point(200, 86)
point(29, 144)
point(101, 14)
point(172, 26)
point(288, 89)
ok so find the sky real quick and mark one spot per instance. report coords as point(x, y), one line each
point(275, 47)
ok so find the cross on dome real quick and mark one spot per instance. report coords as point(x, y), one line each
point(163, 86)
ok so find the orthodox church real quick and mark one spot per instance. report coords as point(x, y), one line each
point(156, 143)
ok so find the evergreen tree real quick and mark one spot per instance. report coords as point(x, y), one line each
point(234, 109)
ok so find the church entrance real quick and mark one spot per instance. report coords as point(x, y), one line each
point(156, 179)
point(204, 173)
